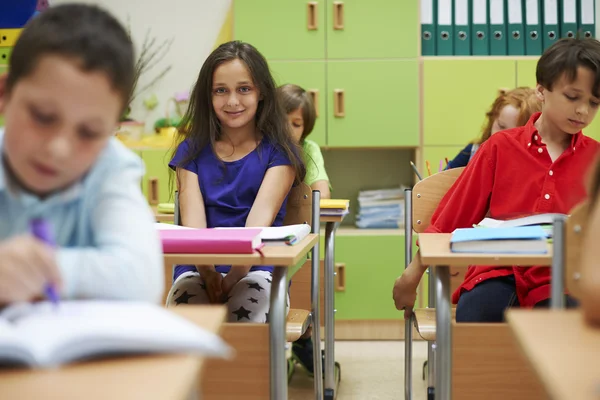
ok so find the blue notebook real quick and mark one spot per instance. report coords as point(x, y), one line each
point(518, 240)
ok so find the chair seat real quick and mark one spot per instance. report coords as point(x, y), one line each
point(298, 322)
point(425, 322)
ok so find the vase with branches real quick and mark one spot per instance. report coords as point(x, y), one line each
point(151, 53)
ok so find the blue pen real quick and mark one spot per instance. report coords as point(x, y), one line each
point(41, 230)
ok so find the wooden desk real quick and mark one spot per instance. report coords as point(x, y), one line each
point(147, 378)
point(281, 257)
point(434, 249)
point(562, 349)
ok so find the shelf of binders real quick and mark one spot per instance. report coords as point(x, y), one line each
point(501, 27)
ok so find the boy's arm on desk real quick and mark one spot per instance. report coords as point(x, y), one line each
point(125, 262)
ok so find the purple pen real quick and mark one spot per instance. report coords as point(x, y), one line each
point(41, 230)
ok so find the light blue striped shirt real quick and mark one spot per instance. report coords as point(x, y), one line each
point(108, 247)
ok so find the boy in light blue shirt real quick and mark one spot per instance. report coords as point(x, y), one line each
point(70, 77)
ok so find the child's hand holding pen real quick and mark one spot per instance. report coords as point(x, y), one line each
point(27, 266)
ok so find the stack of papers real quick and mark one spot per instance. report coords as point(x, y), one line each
point(545, 221)
point(334, 207)
point(517, 240)
point(381, 209)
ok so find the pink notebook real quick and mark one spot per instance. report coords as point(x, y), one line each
point(211, 241)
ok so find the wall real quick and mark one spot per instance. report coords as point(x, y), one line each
point(195, 26)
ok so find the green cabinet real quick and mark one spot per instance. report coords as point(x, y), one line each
point(372, 265)
point(282, 29)
point(457, 94)
point(310, 75)
point(372, 103)
point(157, 167)
point(372, 29)
point(526, 73)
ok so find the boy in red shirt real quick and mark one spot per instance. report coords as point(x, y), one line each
point(536, 168)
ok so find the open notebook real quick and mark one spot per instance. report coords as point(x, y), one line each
point(40, 335)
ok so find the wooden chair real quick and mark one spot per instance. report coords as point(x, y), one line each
point(249, 370)
point(486, 361)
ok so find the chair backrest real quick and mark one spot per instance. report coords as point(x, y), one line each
point(299, 206)
point(298, 209)
point(575, 232)
point(427, 194)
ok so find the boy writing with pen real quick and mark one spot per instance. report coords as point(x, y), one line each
point(64, 180)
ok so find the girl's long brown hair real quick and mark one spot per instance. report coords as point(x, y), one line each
point(200, 125)
point(521, 98)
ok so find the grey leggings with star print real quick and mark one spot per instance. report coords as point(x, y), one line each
point(248, 300)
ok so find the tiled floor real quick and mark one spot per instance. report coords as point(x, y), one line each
point(370, 371)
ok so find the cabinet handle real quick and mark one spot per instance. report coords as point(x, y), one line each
point(339, 108)
point(153, 191)
point(338, 15)
point(340, 277)
point(314, 94)
point(312, 17)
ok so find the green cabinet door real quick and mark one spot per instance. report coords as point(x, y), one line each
point(372, 103)
point(372, 265)
point(526, 73)
point(372, 29)
point(282, 29)
point(310, 75)
point(457, 94)
point(157, 166)
point(435, 154)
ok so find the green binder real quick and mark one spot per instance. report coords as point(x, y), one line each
point(550, 27)
point(462, 40)
point(444, 43)
point(496, 16)
point(533, 28)
point(587, 19)
point(568, 18)
point(516, 29)
point(428, 33)
point(480, 32)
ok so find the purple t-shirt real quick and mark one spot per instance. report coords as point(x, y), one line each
point(230, 188)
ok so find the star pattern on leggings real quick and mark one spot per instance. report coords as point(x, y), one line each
point(184, 298)
point(266, 317)
point(203, 286)
point(256, 286)
point(242, 313)
point(175, 292)
point(253, 300)
point(268, 280)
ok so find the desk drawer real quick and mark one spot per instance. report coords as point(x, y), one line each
point(8, 37)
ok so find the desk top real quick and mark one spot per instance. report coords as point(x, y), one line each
point(162, 217)
point(435, 250)
point(562, 349)
point(283, 256)
point(148, 377)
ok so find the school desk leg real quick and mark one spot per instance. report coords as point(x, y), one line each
point(443, 350)
point(557, 289)
point(277, 319)
point(330, 383)
point(431, 345)
point(315, 298)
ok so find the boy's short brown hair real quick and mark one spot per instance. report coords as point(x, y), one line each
point(86, 33)
point(564, 57)
point(293, 97)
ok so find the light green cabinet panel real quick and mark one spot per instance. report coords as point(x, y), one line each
point(372, 265)
point(593, 130)
point(5, 53)
point(280, 29)
point(372, 103)
point(310, 75)
point(157, 166)
point(526, 73)
point(457, 94)
point(435, 154)
point(372, 29)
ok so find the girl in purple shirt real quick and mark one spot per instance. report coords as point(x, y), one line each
point(234, 167)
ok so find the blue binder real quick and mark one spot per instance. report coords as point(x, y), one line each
point(16, 13)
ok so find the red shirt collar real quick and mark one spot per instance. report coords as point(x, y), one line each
point(532, 137)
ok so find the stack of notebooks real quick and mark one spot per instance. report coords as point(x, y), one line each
point(166, 208)
point(501, 27)
point(527, 235)
point(178, 239)
point(334, 207)
point(381, 209)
